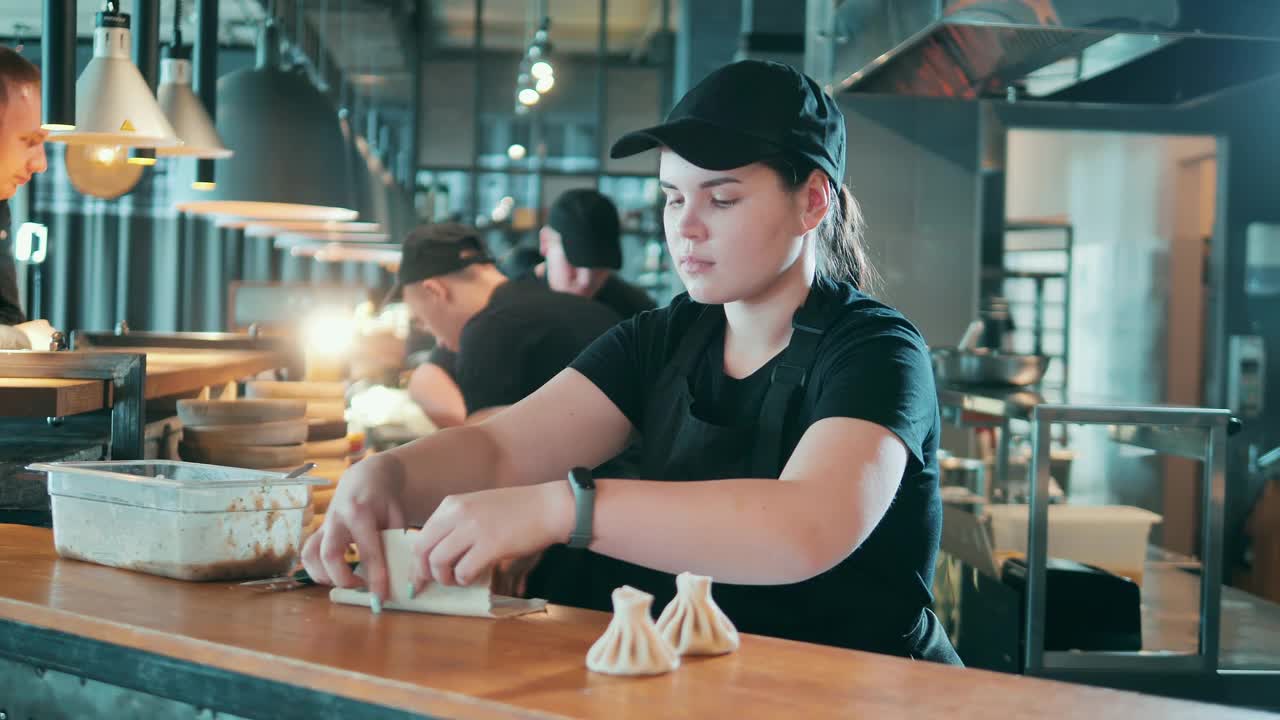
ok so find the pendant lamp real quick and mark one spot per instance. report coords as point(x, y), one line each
point(348, 237)
point(271, 228)
point(185, 111)
point(289, 155)
point(114, 105)
point(380, 253)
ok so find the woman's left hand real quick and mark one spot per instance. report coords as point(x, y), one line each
point(469, 534)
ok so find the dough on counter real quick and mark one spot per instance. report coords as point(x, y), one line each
point(475, 600)
point(632, 645)
point(692, 622)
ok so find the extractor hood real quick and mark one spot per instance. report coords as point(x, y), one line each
point(1162, 52)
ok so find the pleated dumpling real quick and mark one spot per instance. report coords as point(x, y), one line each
point(631, 645)
point(692, 623)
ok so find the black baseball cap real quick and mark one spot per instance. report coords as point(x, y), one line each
point(745, 112)
point(432, 250)
point(589, 229)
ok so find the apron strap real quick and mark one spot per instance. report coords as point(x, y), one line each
point(693, 343)
point(809, 325)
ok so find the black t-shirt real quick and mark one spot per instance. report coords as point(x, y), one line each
point(521, 339)
point(616, 294)
point(872, 365)
point(623, 297)
point(10, 304)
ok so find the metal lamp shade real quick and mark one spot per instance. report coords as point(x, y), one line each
point(271, 228)
point(114, 104)
point(322, 251)
point(342, 237)
point(186, 114)
point(288, 162)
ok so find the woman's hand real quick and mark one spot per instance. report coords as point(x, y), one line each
point(366, 502)
point(469, 534)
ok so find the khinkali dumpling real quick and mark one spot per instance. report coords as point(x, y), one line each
point(692, 622)
point(631, 645)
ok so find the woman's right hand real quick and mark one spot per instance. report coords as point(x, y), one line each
point(366, 502)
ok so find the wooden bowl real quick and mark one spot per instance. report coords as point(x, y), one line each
point(258, 457)
point(319, 430)
point(281, 432)
point(199, 413)
point(327, 410)
point(337, 448)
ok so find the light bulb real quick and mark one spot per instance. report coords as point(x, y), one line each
point(107, 155)
point(545, 83)
point(516, 151)
point(528, 96)
point(541, 69)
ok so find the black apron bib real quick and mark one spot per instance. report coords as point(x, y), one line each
point(833, 608)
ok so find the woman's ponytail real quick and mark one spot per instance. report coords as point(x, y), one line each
point(842, 251)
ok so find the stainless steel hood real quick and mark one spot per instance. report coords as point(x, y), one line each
point(1165, 52)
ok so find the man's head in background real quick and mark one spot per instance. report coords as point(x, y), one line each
point(21, 136)
point(581, 242)
point(447, 277)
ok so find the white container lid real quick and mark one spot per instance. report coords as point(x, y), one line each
point(178, 486)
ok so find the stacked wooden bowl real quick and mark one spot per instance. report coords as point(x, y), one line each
point(258, 434)
point(327, 443)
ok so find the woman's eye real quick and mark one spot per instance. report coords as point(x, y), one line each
point(674, 201)
point(724, 202)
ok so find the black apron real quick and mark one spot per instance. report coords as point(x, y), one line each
point(834, 608)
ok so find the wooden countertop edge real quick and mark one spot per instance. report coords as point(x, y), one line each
point(290, 671)
point(164, 382)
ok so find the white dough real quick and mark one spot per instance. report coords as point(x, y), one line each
point(475, 600)
point(632, 645)
point(692, 622)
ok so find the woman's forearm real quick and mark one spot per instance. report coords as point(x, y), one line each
point(748, 531)
point(447, 462)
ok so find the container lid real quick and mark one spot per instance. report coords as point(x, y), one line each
point(1090, 514)
point(178, 486)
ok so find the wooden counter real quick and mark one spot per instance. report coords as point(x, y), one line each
point(170, 371)
point(224, 647)
point(51, 397)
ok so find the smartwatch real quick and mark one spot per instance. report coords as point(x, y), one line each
point(584, 501)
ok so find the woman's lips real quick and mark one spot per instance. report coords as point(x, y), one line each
point(691, 265)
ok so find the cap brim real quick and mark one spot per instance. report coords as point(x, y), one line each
point(707, 145)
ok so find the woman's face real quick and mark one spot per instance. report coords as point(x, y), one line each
point(731, 233)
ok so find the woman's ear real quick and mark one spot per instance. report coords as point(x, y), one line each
point(818, 196)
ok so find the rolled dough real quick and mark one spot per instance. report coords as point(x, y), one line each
point(475, 600)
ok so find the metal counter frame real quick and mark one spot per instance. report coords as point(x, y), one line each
point(1199, 433)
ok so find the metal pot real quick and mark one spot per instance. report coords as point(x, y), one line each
point(982, 366)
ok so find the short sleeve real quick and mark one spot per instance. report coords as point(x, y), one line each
point(614, 363)
point(445, 359)
point(488, 368)
point(884, 377)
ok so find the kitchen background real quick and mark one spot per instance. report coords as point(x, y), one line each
point(1129, 175)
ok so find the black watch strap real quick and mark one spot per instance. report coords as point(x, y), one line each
point(584, 501)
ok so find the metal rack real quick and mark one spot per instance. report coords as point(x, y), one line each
point(1024, 264)
point(1198, 433)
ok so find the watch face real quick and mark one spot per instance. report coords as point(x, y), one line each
point(581, 478)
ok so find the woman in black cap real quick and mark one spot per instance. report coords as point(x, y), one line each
point(789, 421)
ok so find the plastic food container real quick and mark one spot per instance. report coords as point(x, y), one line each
point(178, 519)
point(1112, 537)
